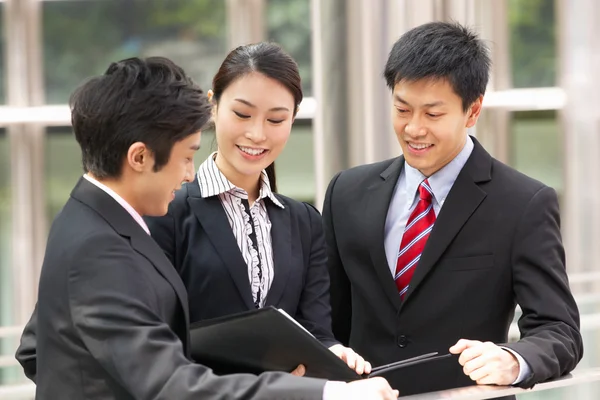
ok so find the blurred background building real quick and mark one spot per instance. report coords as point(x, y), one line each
point(541, 115)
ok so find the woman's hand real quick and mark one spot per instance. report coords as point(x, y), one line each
point(351, 358)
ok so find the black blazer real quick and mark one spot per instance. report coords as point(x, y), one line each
point(112, 317)
point(197, 238)
point(496, 243)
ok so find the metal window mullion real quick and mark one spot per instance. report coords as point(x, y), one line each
point(493, 130)
point(579, 28)
point(24, 89)
point(246, 22)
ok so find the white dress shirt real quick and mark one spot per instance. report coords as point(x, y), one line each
point(136, 216)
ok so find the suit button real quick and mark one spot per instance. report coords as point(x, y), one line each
point(402, 341)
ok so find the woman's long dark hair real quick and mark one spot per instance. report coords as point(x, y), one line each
point(268, 59)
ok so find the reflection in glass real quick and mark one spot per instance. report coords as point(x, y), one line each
point(288, 23)
point(536, 148)
point(81, 38)
point(533, 46)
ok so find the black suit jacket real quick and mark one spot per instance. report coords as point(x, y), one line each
point(197, 238)
point(496, 243)
point(112, 317)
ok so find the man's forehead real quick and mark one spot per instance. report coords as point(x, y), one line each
point(424, 93)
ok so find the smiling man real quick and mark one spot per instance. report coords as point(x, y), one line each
point(432, 250)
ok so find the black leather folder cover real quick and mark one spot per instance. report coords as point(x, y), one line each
point(266, 340)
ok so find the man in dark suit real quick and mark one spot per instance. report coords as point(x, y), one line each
point(112, 317)
point(432, 250)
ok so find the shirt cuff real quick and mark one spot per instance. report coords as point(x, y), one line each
point(524, 368)
point(335, 390)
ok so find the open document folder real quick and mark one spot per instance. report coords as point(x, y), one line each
point(270, 340)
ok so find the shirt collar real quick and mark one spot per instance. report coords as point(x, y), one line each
point(441, 182)
point(136, 216)
point(213, 183)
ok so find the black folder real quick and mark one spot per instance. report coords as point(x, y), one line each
point(268, 340)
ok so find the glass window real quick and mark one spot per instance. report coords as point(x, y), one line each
point(288, 23)
point(81, 38)
point(208, 144)
point(5, 231)
point(295, 167)
point(2, 62)
point(533, 44)
point(536, 148)
point(63, 168)
point(11, 374)
point(7, 344)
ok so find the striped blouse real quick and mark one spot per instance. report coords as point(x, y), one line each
point(251, 225)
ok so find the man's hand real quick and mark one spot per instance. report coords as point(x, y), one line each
point(486, 363)
point(373, 388)
point(351, 358)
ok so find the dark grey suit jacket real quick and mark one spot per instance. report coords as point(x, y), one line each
point(112, 318)
point(496, 243)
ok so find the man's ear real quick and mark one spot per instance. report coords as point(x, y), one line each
point(475, 111)
point(139, 157)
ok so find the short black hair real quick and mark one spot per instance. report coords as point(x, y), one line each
point(441, 50)
point(148, 100)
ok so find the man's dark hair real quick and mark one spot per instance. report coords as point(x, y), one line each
point(151, 101)
point(441, 50)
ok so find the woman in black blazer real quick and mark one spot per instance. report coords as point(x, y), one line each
point(236, 243)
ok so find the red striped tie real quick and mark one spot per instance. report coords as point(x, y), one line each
point(419, 225)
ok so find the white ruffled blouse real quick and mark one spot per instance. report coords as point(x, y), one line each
point(251, 225)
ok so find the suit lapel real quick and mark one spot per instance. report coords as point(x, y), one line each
point(145, 245)
point(126, 226)
point(462, 201)
point(212, 217)
point(281, 237)
point(379, 196)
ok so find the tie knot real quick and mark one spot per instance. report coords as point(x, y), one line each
point(425, 192)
